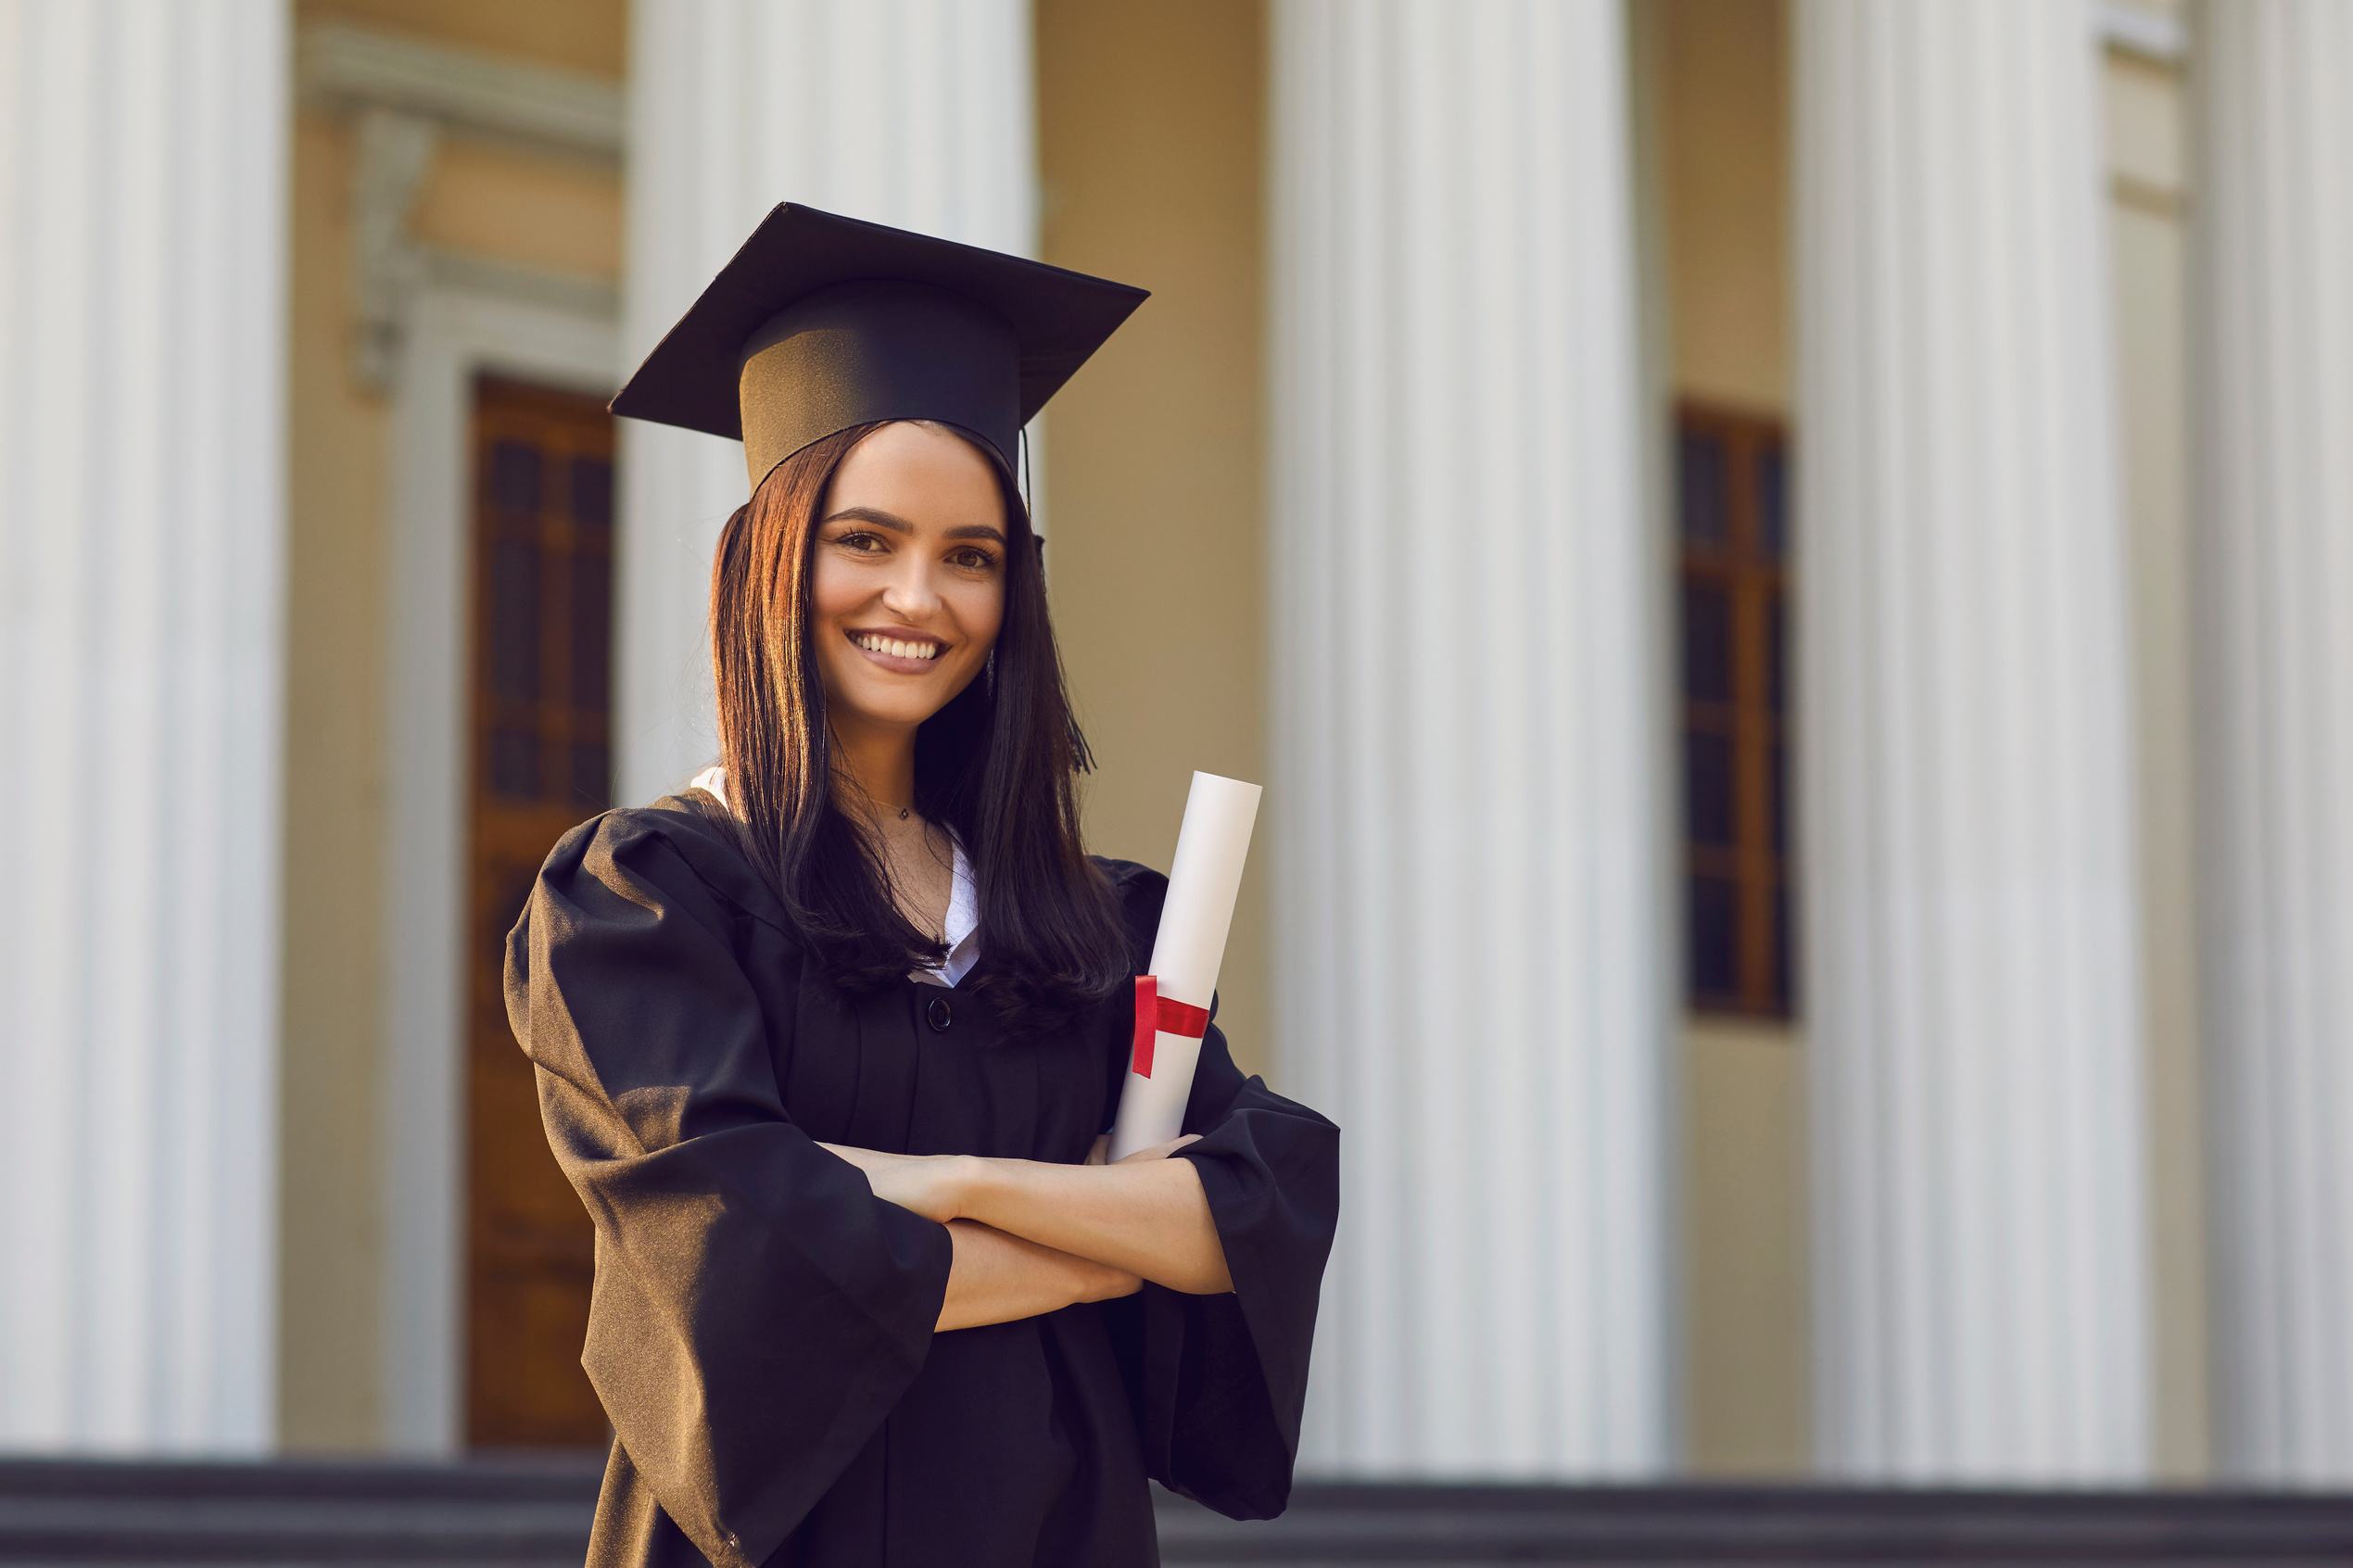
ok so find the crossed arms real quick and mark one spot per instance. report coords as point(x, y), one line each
point(1033, 1237)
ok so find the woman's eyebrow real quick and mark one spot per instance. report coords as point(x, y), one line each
point(874, 516)
point(899, 524)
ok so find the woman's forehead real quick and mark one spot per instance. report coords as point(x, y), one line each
point(925, 475)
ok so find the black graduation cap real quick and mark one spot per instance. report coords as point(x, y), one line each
point(821, 323)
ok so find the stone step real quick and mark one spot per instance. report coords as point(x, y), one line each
point(520, 1512)
point(533, 1511)
point(1426, 1526)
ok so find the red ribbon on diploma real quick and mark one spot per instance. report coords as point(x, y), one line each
point(1157, 1014)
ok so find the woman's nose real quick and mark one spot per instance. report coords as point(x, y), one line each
point(910, 591)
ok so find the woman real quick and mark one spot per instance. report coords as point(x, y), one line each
point(826, 1045)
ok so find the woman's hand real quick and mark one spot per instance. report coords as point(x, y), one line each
point(932, 1186)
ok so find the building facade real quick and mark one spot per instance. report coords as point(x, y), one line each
point(1775, 557)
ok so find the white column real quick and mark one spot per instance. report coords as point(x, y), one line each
point(1971, 993)
point(143, 237)
point(2272, 311)
point(916, 113)
point(1467, 794)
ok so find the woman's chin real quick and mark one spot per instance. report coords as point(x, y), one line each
point(900, 705)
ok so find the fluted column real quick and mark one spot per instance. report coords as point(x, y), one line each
point(143, 237)
point(1970, 991)
point(916, 113)
point(2273, 307)
point(1466, 798)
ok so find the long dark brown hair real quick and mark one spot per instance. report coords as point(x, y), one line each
point(998, 765)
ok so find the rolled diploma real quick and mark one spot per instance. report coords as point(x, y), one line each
point(1203, 880)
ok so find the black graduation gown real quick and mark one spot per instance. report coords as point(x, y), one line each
point(761, 1333)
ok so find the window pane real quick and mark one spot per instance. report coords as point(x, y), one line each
point(1771, 503)
point(514, 762)
point(1776, 808)
point(1735, 673)
point(591, 491)
point(1701, 499)
point(514, 477)
point(1715, 936)
point(1784, 952)
point(1709, 808)
point(591, 632)
point(514, 620)
point(591, 775)
point(1707, 642)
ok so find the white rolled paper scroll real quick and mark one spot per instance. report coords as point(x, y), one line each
point(1204, 880)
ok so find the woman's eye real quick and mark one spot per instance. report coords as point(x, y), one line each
point(865, 543)
point(974, 560)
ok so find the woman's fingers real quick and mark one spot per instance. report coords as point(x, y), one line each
point(1162, 1151)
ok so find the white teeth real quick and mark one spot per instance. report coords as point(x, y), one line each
point(898, 650)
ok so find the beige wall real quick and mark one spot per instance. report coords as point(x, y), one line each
point(2144, 108)
point(331, 1240)
point(1718, 102)
point(1150, 143)
point(536, 211)
point(1722, 160)
point(545, 213)
point(584, 35)
point(1745, 1331)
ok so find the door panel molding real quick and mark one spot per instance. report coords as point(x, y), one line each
point(454, 336)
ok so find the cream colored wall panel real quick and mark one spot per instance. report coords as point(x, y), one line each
point(331, 1261)
point(2147, 259)
point(1744, 1275)
point(552, 213)
point(591, 36)
point(2143, 96)
point(1723, 112)
point(1152, 145)
point(2142, 105)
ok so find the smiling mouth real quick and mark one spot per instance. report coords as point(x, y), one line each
point(898, 648)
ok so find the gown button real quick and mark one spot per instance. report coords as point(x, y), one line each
point(940, 1015)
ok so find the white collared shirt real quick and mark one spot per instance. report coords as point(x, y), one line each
point(961, 930)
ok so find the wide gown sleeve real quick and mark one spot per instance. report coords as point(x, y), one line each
point(1224, 1377)
point(757, 1311)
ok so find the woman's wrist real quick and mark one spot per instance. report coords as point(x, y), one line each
point(980, 1183)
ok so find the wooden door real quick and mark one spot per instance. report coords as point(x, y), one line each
point(542, 625)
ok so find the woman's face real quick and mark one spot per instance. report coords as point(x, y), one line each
point(908, 589)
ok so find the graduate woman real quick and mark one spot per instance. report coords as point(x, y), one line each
point(825, 1043)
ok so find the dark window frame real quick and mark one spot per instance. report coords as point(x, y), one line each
point(1733, 622)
